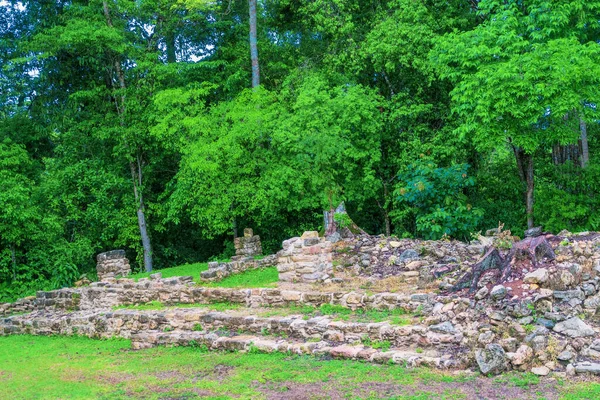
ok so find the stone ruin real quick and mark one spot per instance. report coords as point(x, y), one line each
point(246, 249)
point(112, 264)
point(541, 315)
point(247, 246)
point(308, 258)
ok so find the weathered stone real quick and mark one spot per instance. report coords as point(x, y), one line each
point(592, 302)
point(574, 328)
point(419, 297)
point(486, 337)
point(546, 323)
point(565, 356)
point(413, 265)
point(491, 360)
point(482, 293)
point(587, 367)
point(498, 292)
point(540, 371)
point(310, 235)
point(408, 254)
point(537, 276)
point(522, 356)
point(567, 295)
point(444, 327)
point(533, 232)
point(112, 264)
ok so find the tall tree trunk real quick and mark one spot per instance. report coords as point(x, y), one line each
point(384, 208)
point(137, 177)
point(253, 44)
point(136, 171)
point(585, 152)
point(171, 47)
point(525, 168)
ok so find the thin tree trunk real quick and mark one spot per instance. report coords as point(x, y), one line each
point(525, 169)
point(585, 152)
point(136, 173)
point(146, 244)
point(253, 44)
point(14, 261)
point(530, 188)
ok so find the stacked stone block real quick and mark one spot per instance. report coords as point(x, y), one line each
point(112, 264)
point(247, 246)
point(306, 259)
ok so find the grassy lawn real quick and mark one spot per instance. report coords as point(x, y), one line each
point(80, 368)
point(181, 270)
point(339, 313)
point(157, 305)
point(256, 278)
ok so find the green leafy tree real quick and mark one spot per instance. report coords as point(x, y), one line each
point(519, 73)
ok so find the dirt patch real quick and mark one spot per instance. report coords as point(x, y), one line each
point(194, 393)
point(172, 376)
point(5, 375)
point(476, 389)
point(297, 391)
point(218, 373)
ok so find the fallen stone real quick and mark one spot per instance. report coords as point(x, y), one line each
point(565, 356)
point(482, 293)
point(498, 292)
point(491, 360)
point(574, 328)
point(537, 277)
point(523, 355)
point(408, 254)
point(587, 367)
point(540, 371)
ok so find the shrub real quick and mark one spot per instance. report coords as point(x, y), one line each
point(434, 198)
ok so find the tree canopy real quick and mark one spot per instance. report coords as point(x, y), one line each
point(143, 125)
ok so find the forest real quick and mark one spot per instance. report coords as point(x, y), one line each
point(165, 127)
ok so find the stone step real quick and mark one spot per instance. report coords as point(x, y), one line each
point(249, 343)
point(125, 323)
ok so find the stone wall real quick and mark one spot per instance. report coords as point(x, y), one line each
point(182, 290)
point(219, 270)
point(306, 259)
point(20, 306)
point(249, 245)
point(112, 264)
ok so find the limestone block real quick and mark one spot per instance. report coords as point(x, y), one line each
point(310, 235)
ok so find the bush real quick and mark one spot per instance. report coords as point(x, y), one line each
point(435, 198)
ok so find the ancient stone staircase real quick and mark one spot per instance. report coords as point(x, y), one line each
point(244, 330)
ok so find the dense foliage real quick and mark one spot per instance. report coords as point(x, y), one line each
point(136, 124)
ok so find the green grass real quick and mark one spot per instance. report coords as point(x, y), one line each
point(40, 367)
point(157, 305)
point(339, 313)
point(519, 379)
point(254, 278)
point(81, 368)
point(181, 270)
point(585, 390)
